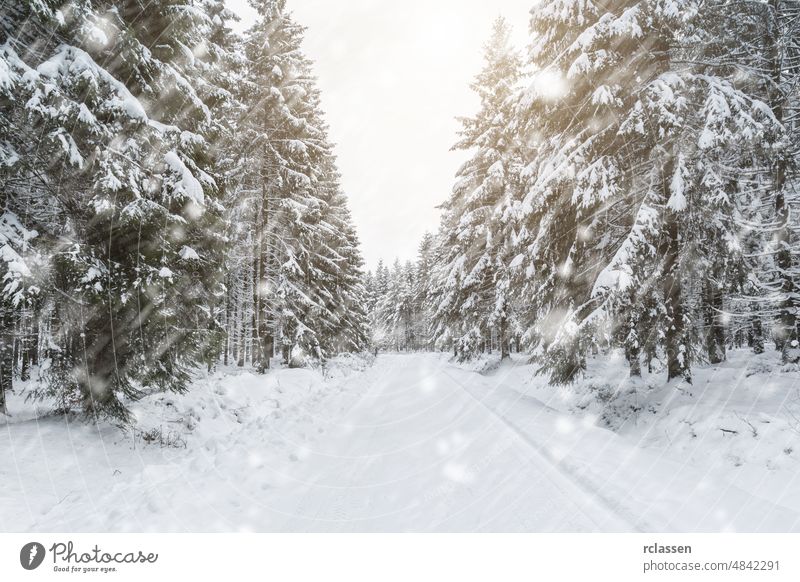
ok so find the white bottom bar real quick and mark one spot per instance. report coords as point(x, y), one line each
point(403, 557)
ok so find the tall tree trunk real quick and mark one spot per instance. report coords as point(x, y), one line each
point(634, 364)
point(504, 348)
point(785, 333)
point(786, 329)
point(266, 338)
point(6, 355)
point(255, 350)
point(756, 335)
point(28, 343)
point(677, 350)
point(35, 333)
point(25, 356)
point(241, 336)
point(633, 346)
point(228, 312)
point(715, 327)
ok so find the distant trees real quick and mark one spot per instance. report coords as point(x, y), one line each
point(399, 308)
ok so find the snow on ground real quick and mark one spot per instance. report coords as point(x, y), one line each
point(718, 455)
point(414, 442)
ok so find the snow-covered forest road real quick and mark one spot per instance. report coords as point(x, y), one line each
point(419, 451)
point(412, 442)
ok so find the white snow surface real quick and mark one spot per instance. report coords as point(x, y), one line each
point(415, 442)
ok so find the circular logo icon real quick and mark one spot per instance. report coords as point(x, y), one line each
point(31, 555)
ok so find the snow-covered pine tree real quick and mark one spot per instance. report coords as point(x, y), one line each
point(129, 190)
point(470, 274)
point(760, 44)
point(423, 290)
point(393, 306)
point(335, 267)
point(124, 126)
point(406, 310)
point(25, 198)
point(377, 324)
point(306, 266)
point(629, 146)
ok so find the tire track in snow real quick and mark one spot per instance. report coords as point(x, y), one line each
point(573, 486)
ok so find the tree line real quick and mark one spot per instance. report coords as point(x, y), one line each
point(630, 183)
point(169, 199)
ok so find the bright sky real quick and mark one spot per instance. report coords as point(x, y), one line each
point(394, 75)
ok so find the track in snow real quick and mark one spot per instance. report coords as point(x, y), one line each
point(411, 444)
point(420, 452)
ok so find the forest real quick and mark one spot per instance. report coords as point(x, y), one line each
point(171, 199)
point(631, 185)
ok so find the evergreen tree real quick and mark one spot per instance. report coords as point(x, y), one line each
point(307, 290)
point(139, 145)
point(423, 291)
point(471, 302)
point(629, 177)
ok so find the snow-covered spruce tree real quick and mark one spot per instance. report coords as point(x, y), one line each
point(24, 199)
point(335, 267)
point(394, 307)
point(306, 266)
point(377, 321)
point(629, 176)
point(406, 314)
point(776, 46)
point(400, 309)
point(130, 225)
point(423, 291)
point(370, 299)
point(471, 280)
point(220, 62)
point(760, 43)
point(584, 61)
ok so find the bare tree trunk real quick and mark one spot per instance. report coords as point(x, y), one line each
point(266, 339)
point(757, 335)
point(712, 315)
point(785, 332)
point(241, 339)
point(35, 333)
point(633, 346)
point(677, 354)
point(228, 328)
point(634, 364)
point(255, 350)
point(25, 357)
point(6, 355)
point(504, 348)
point(672, 287)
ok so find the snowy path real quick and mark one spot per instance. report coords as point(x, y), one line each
point(411, 443)
point(420, 452)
